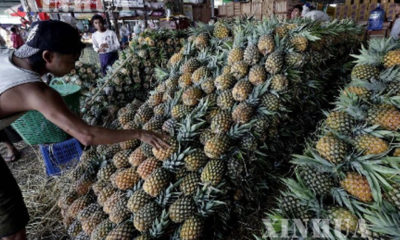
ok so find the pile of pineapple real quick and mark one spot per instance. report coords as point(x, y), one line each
point(134, 78)
point(84, 75)
point(221, 100)
point(350, 173)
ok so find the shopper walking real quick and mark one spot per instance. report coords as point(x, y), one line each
point(52, 47)
point(16, 38)
point(105, 42)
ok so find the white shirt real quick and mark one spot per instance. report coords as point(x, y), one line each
point(109, 37)
point(395, 29)
point(317, 15)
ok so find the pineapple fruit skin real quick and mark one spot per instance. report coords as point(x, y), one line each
point(358, 186)
point(332, 149)
point(192, 229)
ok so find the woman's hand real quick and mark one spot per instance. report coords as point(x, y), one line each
point(155, 139)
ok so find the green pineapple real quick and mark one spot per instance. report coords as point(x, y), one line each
point(124, 231)
point(213, 172)
point(319, 182)
point(102, 230)
point(274, 63)
point(221, 123)
point(145, 217)
point(138, 200)
point(190, 183)
point(225, 100)
point(157, 182)
point(192, 229)
point(257, 75)
point(195, 160)
point(216, 146)
point(241, 90)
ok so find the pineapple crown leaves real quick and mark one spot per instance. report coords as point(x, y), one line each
point(341, 197)
point(239, 130)
point(169, 196)
point(135, 188)
point(298, 190)
point(201, 28)
point(206, 199)
point(160, 225)
point(377, 49)
point(383, 220)
point(308, 35)
point(314, 160)
point(175, 162)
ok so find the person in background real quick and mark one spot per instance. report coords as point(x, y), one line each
point(124, 33)
point(16, 38)
point(395, 33)
point(2, 42)
point(315, 15)
point(296, 11)
point(105, 42)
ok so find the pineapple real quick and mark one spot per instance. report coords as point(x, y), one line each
point(112, 150)
point(182, 209)
point(266, 44)
point(147, 149)
point(138, 200)
point(102, 230)
point(248, 143)
point(242, 113)
point(358, 186)
point(154, 99)
point(294, 208)
point(190, 183)
point(192, 229)
point(201, 41)
point(340, 122)
point(199, 74)
point(343, 218)
point(208, 86)
point(281, 30)
point(361, 92)
point(185, 80)
point(251, 54)
point(195, 160)
point(160, 110)
point(163, 154)
point(396, 152)
point(74, 229)
point(78, 205)
point(386, 116)
point(169, 126)
point(391, 59)
point(125, 178)
point(105, 193)
point(126, 117)
point(175, 58)
point(221, 31)
point(394, 195)
point(213, 172)
point(274, 63)
point(124, 231)
point(180, 111)
point(120, 159)
point(241, 90)
point(279, 82)
point(86, 213)
point(221, 123)
point(239, 69)
point(216, 146)
point(295, 60)
point(190, 66)
point(145, 217)
point(226, 69)
point(89, 225)
point(130, 144)
point(82, 186)
point(143, 114)
point(205, 136)
point(172, 82)
point(191, 96)
point(82, 236)
point(257, 75)
point(119, 211)
point(270, 101)
point(235, 55)
point(299, 43)
point(157, 182)
point(224, 82)
point(368, 144)
point(147, 167)
point(112, 201)
point(332, 148)
point(136, 157)
point(393, 89)
point(154, 124)
point(365, 72)
point(319, 182)
point(143, 237)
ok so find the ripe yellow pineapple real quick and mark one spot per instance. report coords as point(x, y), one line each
point(201, 41)
point(199, 74)
point(157, 182)
point(145, 217)
point(112, 201)
point(163, 154)
point(344, 219)
point(257, 75)
point(192, 229)
point(391, 59)
point(124, 231)
point(104, 194)
point(241, 90)
point(136, 157)
point(208, 86)
point(368, 144)
point(251, 54)
point(180, 111)
point(341, 122)
point(195, 160)
point(148, 167)
point(226, 69)
point(125, 178)
point(216, 146)
point(266, 44)
point(120, 159)
point(221, 31)
point(213, 172)
point(126, 117)
point(361, 92)
point(191, 96)
point(102, 230)
point(185, 80)
point(224, 82)
point(274, 63)
point(138, 200)
point(242, 113)
point(119, 212)
point(332, 148)
point(143, 114)
point(78, 205)
point(155, 99)
point(130, 144)
point(281, 30)
point(386, 116)
point(358, 186)
point(271, 102)
point(190, 66)
point(300, 43)
point(365, 72)
point(239, 69)
point(182, 209)
point(89, 225)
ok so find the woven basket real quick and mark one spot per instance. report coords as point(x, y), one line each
point(34, 128)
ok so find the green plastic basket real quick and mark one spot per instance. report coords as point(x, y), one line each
point(34, 128)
